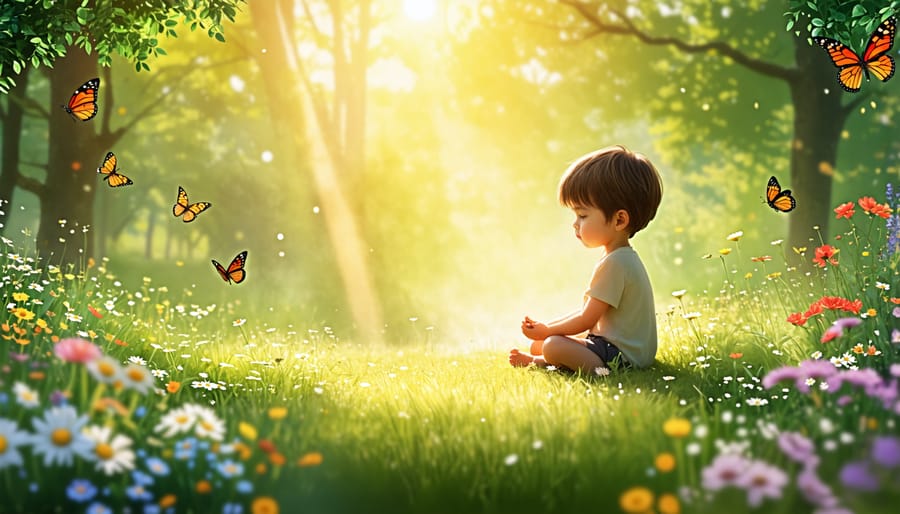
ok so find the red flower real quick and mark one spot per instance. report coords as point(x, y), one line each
point(762, 258)
point(95, 312)
point(867, 203)
point(844, 210)
point(266, 445)
point(882, 210)
point(736, 355)
point(830, 303)
point(825, 254)
point(855, 306)
point(797, 319)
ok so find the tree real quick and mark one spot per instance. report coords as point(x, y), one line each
point(820, 109)
point(74, 37)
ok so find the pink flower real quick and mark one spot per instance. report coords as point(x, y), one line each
point(796, 447)
point(724, 471)
point(762, 480)
point(76, 350)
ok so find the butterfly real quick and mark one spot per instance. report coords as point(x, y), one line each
point(189, 210)
point(235, 272)
point(110, 175)
point(83, 103)
point(875, 59)
point(777, 199)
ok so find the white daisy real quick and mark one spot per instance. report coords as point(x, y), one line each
point(177, 421)
point(208, 424)
point(137, 377)
point(113, 452)
point(26, 396)
point(11, 438)
point(105, 369)
point(57, 436)
point(140, 361)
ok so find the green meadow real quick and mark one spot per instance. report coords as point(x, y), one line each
point(206, 411)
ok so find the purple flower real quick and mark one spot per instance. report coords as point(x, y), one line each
point(886, 451)
point(858, 475)
point(762, 480)
point(818, 369)
point(896, 312)
point(814, 489)
point(895, 370)
point(895, 336)
point(837, 509)
point(844, 400)
point(845, 323)
point(784, 373)
point(865, 378)
point(795, 446)
point(723, 471)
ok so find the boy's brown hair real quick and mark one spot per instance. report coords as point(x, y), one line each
point(614, 178)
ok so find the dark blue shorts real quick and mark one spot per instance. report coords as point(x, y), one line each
point(608, 352)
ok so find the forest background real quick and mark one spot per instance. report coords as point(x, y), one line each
point(391, 166)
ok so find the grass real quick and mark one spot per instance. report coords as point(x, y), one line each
point(300, 420)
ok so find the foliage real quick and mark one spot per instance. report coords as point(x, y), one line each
point(37, 33)
point(851, 22)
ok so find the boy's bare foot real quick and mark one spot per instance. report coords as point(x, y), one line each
point(519, 359)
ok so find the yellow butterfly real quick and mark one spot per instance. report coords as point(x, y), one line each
point(188, 210)
point(777, 199)
point(110, 175)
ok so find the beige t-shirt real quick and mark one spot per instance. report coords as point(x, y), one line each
point(621, 280)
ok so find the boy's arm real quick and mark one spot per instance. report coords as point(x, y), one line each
point(577, 323)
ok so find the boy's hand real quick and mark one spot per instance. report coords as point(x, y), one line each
point(534, 329)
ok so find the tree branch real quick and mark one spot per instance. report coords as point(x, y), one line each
point(851, 106)
point(720, 47)
point(32, 185)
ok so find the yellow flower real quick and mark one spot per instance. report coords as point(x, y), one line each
point(277, 413)
point(636, 499)
point(872, 423)
point(41, 323)
point(748, 275)
point(724, 251)
point(310, 459)
point(248, 431)
point(773, 275)
point(69, 276)
point(20, 297)
point(264, 505)
point(167, 501)
point(668, 504)
point(23, 313)
point(858, 348)
point(799, 251)
point(871, 312)
point(203, 487)
point(677, 427)
point(865, 253)
point(664, 462)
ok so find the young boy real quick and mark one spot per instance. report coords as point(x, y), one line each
point(614, 193)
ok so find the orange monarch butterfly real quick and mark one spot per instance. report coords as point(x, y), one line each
point(110, 175)
point(875, 60)
point(189, 210)
point(83, 103)
point(235, 272)
point(777, 199)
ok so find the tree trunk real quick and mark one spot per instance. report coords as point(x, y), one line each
point(68, 192)
point(12, 138)
point(818, 121)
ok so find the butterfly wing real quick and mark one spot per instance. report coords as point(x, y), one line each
point(195, 209)
point(850, 64)
point(181, 204)
point(773, 188)
point(118, 180)
point(876, 57)
point(236, 268)
point(221, 270)
point(83, 102)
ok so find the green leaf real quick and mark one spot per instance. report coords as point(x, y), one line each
point(16, 67)
point(160, 51)
point(87, 46)
point(220, 37)
point(858, 10)
point(145, 66)
point(790, 25)
point(816, 32)
point(35, 61)
point(36, 40)
point(817, 22)
point(171, 23)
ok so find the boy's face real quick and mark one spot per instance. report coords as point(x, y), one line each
point(593, 228)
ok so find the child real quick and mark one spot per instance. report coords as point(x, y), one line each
point(614, 193)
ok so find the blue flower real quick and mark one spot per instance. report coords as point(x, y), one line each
point(4, 398)
point(98, 508)
point(232, 508)
point(186, 449)
point(141, 478)
point(140, 412)
point(244, 486)
point(81, 490)
point(158, 466)
point(229, 468)
point(138, 493)
point(151, 508)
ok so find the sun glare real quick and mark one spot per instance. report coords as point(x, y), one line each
point(419, 10)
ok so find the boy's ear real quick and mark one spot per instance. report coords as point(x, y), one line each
point(621, 219)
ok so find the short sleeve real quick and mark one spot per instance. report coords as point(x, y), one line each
point(608, 282)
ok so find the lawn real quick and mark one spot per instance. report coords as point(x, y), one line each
point(775, 393)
